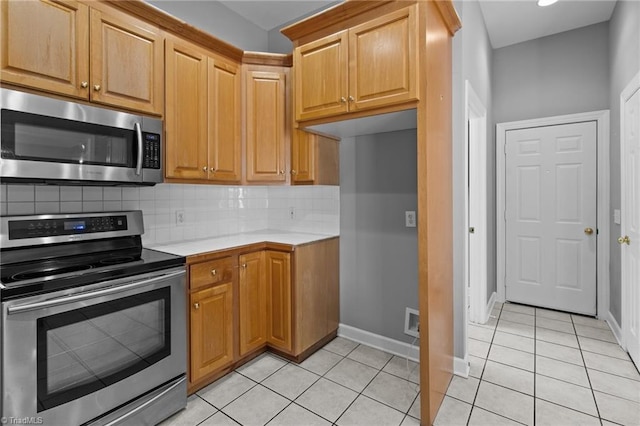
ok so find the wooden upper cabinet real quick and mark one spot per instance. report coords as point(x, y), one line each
point(45, 45)
point(321, 77)
point(126, 62)
point(252, 302)
point(370, 65)
point(383, 65)
point(186, 113)
point(278, 283)
point(266, 126)
point(211, 335)
point(315, 159)
point(224, 112)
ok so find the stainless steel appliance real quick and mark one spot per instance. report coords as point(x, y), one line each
point(49, 140)
point(93, 325)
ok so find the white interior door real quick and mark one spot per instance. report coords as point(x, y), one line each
point(551, 180)
point(630, 223)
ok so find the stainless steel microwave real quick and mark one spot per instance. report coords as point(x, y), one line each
point(54, 141)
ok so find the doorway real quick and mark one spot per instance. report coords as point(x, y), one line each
point(572, 231)
point(630, 222)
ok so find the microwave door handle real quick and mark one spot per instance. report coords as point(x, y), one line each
point(136, 126)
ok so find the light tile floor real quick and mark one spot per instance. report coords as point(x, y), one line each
point(536, 366)
point(528, 366)
point(342, 384)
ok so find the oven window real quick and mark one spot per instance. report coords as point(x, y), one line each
point(38, 138)
point(85, 350)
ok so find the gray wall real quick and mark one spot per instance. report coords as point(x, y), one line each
point(378, 254)
point(471, 61)
point(624, 57)
point(217, 20)
point(564, 73)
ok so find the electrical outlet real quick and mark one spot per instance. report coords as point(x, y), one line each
point(180, 217)
point(410, 219)
point(292, 213)
point(412, 322)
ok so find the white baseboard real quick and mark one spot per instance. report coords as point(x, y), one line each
point(386, 344)
point(615, 327)
point(461, 367)
point(489, 308)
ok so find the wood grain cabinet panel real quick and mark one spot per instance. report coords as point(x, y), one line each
point(212, 272)
point(252, 302)
point(266, 136)
point(321, 77)
point(186, 114)
point(368, 66)
point(211, 335)
point(45, 45)
point(127, 62)
point(224, 121)
point(315, 159)
point(278, 282)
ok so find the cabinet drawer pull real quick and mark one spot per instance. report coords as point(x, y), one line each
point(196, 305)
point(214, 272)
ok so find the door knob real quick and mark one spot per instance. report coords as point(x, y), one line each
point(196, 305)
point(624, 240)
point(588, 231)
point(97, 87)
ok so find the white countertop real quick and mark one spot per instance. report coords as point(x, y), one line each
point(206, 245)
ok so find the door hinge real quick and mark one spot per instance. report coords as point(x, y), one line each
point(504, 215)
point(504, 148)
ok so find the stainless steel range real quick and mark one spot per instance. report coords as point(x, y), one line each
point(93, 325)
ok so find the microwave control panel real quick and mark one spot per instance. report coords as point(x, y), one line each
point(36, 228)
point(151, 150)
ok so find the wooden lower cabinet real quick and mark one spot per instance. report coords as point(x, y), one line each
point(253, 302)
point(249, 299)
point(211, 336)
point(278, 281)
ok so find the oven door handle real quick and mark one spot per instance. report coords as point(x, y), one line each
point(89, 295)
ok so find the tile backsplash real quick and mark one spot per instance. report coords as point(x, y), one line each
point(209, 210)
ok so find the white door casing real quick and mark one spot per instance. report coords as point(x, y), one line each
point(551, 217)
point(630, 218)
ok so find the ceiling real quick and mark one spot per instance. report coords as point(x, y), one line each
point(514, 21)
point(508, 21)
point(269, 14)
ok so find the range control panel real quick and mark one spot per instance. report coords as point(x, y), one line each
point(35, 228)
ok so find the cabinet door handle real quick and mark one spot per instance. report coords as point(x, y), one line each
point(97, 87)
point(196, 305)
point(204, 169)
point(351, 99)
point(244, 266)
point(281, 172)
point(212, 170)
point(293, 172)
point(343, 100)
point(84, 84)
point(214, 272)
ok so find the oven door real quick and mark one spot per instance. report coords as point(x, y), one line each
point(69, 358)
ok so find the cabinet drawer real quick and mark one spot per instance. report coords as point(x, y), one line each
point(212, 272)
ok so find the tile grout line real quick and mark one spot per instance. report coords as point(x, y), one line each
point(593, 394)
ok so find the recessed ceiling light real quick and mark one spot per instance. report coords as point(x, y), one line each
point(543, 3)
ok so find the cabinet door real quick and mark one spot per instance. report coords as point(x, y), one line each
point(126, 62)
point(211, 335)
point(253, 302)
point(302, 157)
point(224, 121)
point(383, 60)
point(186, 115)
point(266, 144)
point(321, 78)
point(45, 45)
point(278, 275)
